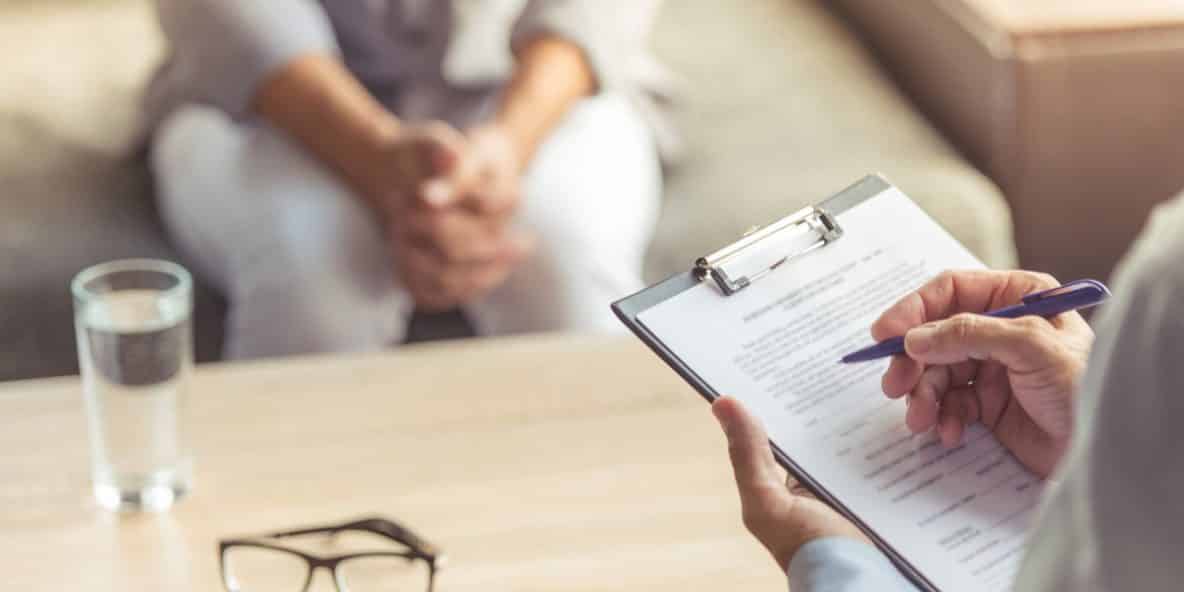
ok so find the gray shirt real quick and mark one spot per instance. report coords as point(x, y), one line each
point(1113, 517)
point(441, 59)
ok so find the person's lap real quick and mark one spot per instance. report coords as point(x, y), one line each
point(305, 265)
point(591, 197)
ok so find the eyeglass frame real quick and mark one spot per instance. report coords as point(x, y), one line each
point(418, 549)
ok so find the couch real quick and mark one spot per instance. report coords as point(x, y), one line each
point(1072, 108)
point(782, 106)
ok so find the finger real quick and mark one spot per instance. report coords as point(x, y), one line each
point(1023, 283)
point(906, 313)
point(963, 373)
point(465, 284)
point(443, 148)
point(439, 156)
point(496, 198)
point(979, 290)
point(1020, 284)
point(427, 150)
point(901, 377)
point(969, 402)
point(796, 489)
point(748, 449)
point(466, 178)
point(420, 275)
point(1023, 344)
point(958, 410)
point(461, 237)
point(953, 292)
point(437, 192)
point(925, 399)
point(499, 169)
point(447, 284)
point(499, 186)
point(993, 387)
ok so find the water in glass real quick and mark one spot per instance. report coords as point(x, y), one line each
point(136, 356)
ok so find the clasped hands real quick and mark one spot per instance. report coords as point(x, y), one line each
point(446, 200)
point(1017, 376)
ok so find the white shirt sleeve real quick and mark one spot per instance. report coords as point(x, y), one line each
point(222, 50)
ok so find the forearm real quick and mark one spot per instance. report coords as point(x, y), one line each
point(323, 107)
point(551, 76)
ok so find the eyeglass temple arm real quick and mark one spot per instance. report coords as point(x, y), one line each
point(375, 525)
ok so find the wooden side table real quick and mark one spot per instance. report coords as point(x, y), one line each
point(1074, 107)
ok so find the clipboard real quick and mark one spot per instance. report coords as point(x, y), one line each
point(744, 264)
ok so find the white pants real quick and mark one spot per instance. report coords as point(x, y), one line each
point(304, 265)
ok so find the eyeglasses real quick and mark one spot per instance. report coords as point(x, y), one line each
point(263, 564)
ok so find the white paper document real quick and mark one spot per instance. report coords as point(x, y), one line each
point(959, 515)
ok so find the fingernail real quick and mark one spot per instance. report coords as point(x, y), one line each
point(920, 339)
point(437, 193)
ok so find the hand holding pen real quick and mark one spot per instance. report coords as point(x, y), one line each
point(1016, 374)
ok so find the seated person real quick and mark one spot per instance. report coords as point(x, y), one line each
point(1110, 438)
point(332, 166)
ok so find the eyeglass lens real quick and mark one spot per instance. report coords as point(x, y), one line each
point(255, 569)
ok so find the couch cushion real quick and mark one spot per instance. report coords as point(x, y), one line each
point(70, 193)
point(784, 107)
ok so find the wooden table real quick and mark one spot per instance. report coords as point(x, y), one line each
point(536, 464)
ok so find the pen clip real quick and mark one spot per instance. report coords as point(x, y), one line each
point(1087, 290)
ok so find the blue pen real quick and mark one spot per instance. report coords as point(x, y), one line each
point(1049, 303)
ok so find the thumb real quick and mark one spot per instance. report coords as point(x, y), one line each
point(499, 199)
point(1020, 344)
point(440, 152)
point(748, 448)
point(439, 148)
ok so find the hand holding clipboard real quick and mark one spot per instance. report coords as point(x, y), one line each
point(765, 319)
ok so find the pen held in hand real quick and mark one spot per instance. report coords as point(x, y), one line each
point(1074, 295)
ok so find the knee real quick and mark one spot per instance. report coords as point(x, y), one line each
point(561, 290)
point(292, 314)
point(184, 139)
point(312, 285)
point(584, 244)
point(596, 185)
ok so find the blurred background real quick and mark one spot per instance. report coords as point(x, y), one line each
point(1039, 133)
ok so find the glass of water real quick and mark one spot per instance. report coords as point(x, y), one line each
point(132, 320)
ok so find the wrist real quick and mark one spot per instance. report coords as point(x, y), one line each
point(806, 521)
point(366, 160)
point(320, 104)
point(504, 142)
point(551, 75)
point(516, 139)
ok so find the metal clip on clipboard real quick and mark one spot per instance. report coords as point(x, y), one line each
point(763, 250)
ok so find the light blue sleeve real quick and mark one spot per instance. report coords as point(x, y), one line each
point(839, 564)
